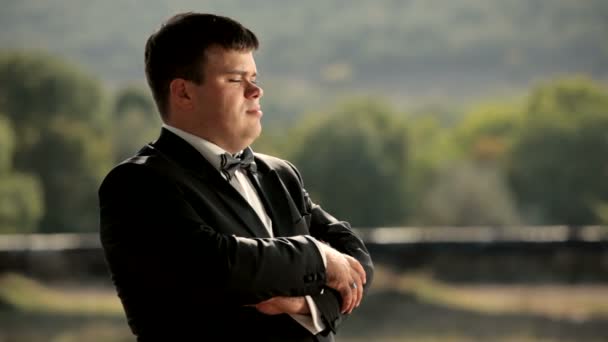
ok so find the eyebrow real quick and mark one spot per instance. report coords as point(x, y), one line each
point(239, 72)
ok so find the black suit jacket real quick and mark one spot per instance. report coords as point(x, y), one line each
point(173, 234)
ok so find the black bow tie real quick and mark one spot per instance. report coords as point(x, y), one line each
point(230, 164)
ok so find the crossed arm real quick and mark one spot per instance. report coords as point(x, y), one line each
point(141, 212)
point(344, 274)
point(349, 266)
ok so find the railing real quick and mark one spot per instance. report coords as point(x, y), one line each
point(484, 234)
point(501, 254)
point(48, 242)
point(378, 235)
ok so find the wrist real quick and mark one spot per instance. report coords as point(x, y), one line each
point(303, 308)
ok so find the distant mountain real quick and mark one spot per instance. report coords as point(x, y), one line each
point(400, 48)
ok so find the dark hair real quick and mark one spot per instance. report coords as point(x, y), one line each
point(177, 49)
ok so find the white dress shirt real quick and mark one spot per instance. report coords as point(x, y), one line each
point(242, 184)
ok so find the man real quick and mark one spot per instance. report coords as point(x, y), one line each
point(206, 240)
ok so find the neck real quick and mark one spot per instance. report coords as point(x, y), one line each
point(231, 148)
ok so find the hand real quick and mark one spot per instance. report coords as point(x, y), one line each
point(280, 305)
point(347, 276)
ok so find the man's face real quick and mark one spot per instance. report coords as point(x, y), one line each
point(227, 102)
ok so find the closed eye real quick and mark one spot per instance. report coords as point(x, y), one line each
point(234, 80)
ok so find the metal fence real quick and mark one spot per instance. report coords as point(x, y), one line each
point(376, 235)
point(503, 254)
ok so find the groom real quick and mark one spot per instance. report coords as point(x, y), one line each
point(205, 239)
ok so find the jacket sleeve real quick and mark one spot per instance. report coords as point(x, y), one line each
point(338, 234)
point(153, 237)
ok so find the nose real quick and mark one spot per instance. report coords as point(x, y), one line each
point(254, 91)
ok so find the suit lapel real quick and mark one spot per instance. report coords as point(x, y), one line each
point(183, 155)
point(239, 207)
point(279, 205)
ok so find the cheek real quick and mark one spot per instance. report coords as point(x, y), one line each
point(229, 114)
point(231, 101)
point(234, 108)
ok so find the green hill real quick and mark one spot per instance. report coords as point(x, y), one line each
point(402, 49)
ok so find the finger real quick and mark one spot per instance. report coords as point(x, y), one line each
point(356, 265)
point(360, 288)
point(354, 301)
point(353, 291)
point(359, 293)
point(357, 287)
point(347, 298)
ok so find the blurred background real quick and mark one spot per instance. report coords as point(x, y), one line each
point(466, 140)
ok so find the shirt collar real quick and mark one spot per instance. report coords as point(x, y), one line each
point(209, 150)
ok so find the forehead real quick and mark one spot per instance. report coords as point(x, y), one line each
point(223, 60)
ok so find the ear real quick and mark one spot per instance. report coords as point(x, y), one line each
point(180, 93)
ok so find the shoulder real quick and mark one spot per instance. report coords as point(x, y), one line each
point(271, 162)
point(142, 167)
point(284, 168)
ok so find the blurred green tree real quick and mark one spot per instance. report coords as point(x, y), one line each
point(7, 145)
point(468, 194)
point(558, 166)
point(455, 175)
point(429, 149)
point(21, 204)
point(487, 132)
point(135, 121)
point(134, 98)
point(353, 160)
point(58, 115)
point(71, 163)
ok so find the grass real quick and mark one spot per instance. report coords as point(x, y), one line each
point(399, 307)
point(415, 307)
point(27, 295)
point(31, 311)
point(576, 302)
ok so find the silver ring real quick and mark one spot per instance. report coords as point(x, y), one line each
point(353, 286)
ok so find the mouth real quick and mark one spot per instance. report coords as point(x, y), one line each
point(257, 111)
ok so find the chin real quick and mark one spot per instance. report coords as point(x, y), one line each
point(256, 130)
point(253, 135)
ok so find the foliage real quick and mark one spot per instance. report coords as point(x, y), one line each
point(35, 87)
point(536, 161)
point(466, 194)
point(7, 145)
point(405, 48)
point(487, 132)
point(21, 205)
point(133, 98)
point(135, 121)
point(558, 164)
point(353, 160)
point(58, 118)
point(71, 163)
